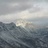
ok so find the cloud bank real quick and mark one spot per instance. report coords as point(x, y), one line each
point(10, 10)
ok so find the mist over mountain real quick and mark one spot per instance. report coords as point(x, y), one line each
point(23, 23)
point(23, 34)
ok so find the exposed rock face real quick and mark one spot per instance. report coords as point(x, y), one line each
point(12, 36)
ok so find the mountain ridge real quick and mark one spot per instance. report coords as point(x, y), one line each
point(12, 36)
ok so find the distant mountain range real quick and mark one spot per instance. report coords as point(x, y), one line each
point(23, 34)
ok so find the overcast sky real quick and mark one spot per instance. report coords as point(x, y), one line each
point(10, 10)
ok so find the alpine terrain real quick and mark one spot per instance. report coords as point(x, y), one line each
point(23, 34)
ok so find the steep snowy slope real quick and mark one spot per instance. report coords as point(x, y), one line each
point(29, 26)
point(12, 36)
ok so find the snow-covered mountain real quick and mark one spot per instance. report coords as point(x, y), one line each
point(30, 26)
point(23, 23)
point(26, 24)
point(12, 36)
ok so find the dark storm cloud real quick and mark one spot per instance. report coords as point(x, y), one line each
point(14, 0)
point(5, 7)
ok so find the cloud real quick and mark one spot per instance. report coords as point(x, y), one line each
point(27, 15)
point(11, 6)
point(10, 10)
point(24, 15)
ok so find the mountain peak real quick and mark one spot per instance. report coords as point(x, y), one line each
point(23, 23)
